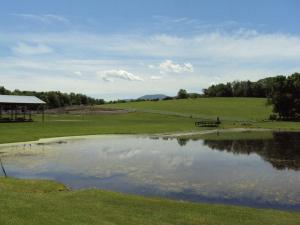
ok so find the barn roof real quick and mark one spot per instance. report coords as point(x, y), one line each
point(17, 99)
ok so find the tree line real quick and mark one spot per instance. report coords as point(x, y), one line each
point(55, 99)
point(259, 89)
point(283, 92)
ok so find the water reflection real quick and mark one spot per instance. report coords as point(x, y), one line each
point(247, 172)
point(282, 151)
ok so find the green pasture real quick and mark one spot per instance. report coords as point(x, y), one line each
point(150, 117)
point(44, 202)
point(232, 109)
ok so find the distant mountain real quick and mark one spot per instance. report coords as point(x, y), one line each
point(151, 97)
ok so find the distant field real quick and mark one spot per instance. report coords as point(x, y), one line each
point(151, 117)
point(73, 125)
point(232, 109)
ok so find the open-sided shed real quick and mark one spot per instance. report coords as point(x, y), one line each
point(15, 108)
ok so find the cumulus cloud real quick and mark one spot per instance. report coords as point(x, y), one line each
point(111, 75)
point(169, 67)
point(243, 54)
point(26, 49)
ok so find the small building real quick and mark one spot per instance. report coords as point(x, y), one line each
point(15, 108)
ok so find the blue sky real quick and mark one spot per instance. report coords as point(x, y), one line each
point(123, 49)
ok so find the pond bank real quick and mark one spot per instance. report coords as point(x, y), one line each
point(46, 202)
point(163, 135)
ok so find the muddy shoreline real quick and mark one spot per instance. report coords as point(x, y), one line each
point(163, 135)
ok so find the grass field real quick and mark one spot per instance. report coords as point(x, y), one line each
point(233, 112)
point(233, 109)
point(70, 125)
point(42, 202)
point(151, 117)
point(45, 202)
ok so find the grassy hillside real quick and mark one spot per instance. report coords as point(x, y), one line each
point(226, 108)
point(151, 117)
point(44, 202)
point(73, 125)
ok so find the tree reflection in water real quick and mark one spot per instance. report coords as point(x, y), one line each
point(282, 151)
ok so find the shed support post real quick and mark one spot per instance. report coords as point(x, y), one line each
point(11, 113)
point(43, 113)
point(16, 112)
point(24, 112)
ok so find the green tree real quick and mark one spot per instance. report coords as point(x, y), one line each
point(285, 96)
point(3, 91)
point(182, 94)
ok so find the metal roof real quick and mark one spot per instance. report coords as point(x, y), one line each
point(17, 99)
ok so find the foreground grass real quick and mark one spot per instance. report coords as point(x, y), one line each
point(44, 202)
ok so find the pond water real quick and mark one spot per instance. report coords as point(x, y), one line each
point(251, 172)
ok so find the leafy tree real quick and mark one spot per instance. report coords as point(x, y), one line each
point(3, 91)
point(285, 96)
point(182, 94)
point(283, 92)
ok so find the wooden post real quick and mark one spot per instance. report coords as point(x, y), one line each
point(16, 112)
point(2, 167)
point(24, 112)
point(11, 113)
point(43, 113)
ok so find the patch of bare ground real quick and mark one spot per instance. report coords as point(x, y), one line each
point(90, 110)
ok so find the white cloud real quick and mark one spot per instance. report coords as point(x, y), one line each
point(78, 73)
point(44, 18)
point(167, 40)
point(26, 49)
point(155, 78)
point(169, 67)
point(111, 75)
point(242, 45)
point(242, 55)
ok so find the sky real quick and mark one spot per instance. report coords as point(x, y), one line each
point(117, 49)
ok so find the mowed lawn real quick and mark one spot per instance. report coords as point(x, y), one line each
point(73, 125)
point(151, 117)
point(43, 202)
point(233, 109)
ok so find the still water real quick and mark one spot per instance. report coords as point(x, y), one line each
point(251, 172)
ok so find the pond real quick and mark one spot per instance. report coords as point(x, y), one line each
point(262, 170)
